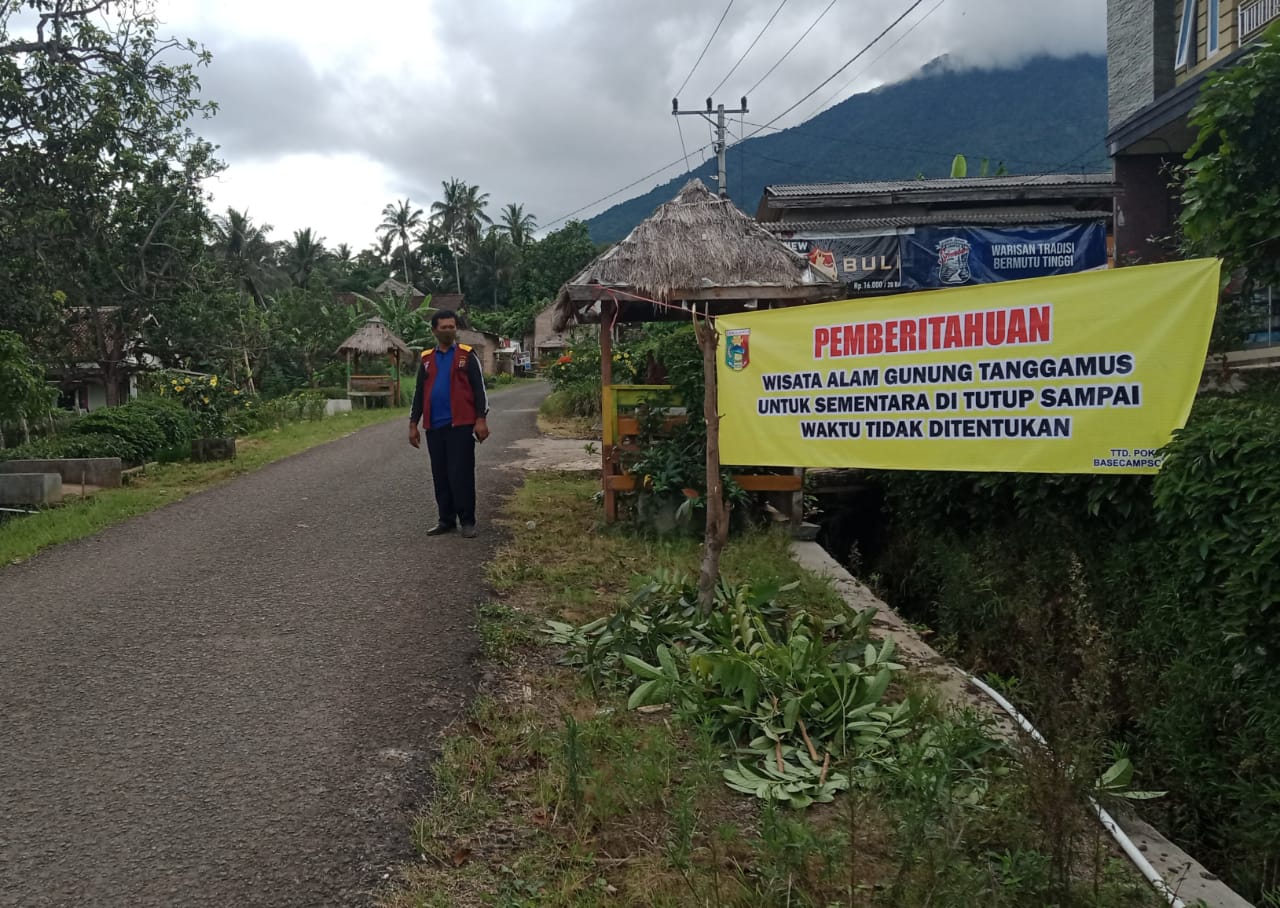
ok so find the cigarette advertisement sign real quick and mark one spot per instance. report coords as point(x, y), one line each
point(1078, 373)
point(938, 257)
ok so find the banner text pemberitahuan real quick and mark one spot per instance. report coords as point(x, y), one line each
point(1081, 373)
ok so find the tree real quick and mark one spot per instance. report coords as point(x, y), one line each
point(101, 206)
point(459, 217)
point(495, 259)
point(517, 225)
point(404, 321)
point(303, 256)
point(547, 263)
point(246, 252)
point(399, 221)
point(1231, 187)
point(24, 396)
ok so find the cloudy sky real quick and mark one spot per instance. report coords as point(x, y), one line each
point(331, 110)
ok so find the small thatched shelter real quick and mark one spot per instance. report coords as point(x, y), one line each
point(696, 249)
point(695, 253)
point(374, 339)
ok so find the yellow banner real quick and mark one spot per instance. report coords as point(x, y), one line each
point(1082, 373)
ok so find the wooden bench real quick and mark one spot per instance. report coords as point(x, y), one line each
point(366, 387)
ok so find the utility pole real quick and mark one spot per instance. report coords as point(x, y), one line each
point(720, 145)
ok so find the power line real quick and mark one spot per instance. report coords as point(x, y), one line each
point(680, 132)
point(605, 198)
point(705, 49)
point(812, 26)
point(839, 91)
point(749, 49)
point(909, 10)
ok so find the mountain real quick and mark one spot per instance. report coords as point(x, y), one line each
point(1048, 115)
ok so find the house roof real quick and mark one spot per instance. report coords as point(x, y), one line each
point(83, 346)
point(1049, 189)
point(1045, 180)
point(940, 219)
point(397, 288)
point(374, 338)
point(697, 246)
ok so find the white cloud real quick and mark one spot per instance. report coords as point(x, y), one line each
point(330, 110)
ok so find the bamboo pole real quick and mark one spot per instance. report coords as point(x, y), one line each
point(717, 531)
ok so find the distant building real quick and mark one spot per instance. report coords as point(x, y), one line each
point(889, 237)
point(545, 342)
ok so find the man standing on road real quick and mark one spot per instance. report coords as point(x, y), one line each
point(452, 404)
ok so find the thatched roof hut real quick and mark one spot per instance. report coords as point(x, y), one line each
point(374, 338)
point(696, 248)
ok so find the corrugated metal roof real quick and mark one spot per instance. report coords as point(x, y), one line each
point(1041, 181)
point(1029, 217)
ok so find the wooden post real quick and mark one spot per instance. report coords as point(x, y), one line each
point(717, 533)
point(395, 374)
point(607, 310)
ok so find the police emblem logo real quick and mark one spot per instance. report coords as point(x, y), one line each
point(953, 261)
point(737, 348)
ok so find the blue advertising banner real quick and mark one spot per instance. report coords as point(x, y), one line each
point(936, 257)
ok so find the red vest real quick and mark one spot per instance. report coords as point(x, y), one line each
point(462, 399)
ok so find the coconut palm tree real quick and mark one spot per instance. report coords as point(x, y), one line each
point(245, 250)
point(517, 225)
point(303, 256)
point(460, 217)
point(399, 221)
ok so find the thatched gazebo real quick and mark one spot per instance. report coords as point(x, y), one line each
point(696, 254)
point(374, 338)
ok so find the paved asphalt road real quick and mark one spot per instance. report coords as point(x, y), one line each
point(234, 700)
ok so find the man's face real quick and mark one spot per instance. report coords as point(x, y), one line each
point(446, 331)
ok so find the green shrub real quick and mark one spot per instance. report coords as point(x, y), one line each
point(1177, 576)
point(93, 445)
point(173, 419)
point(308, 404)
point(134, 426)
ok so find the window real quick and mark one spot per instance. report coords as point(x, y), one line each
point(1187, 36)
point(1212, 26)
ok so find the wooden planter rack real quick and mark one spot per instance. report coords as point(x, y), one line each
point(621, 435)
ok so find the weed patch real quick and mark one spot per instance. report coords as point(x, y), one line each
point(634, 751)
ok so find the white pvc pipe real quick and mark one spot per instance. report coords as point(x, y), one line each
point(1139, 859)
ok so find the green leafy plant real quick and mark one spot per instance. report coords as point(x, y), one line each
point(210, 400)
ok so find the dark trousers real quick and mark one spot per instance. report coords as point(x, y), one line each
point(453, 471)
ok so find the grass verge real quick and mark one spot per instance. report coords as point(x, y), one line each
point(165, 483)
point(552, 792)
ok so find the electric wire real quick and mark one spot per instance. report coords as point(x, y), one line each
point(707, 47)
point(812, 26)
point(874, 41)
point(839, 91)
point(631, 185)
point(760, 35)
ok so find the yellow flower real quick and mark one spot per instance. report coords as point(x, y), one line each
point(213, 382)
point(205, 398)
point(235, 393)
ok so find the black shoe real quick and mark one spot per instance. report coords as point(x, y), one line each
point(469, 531)
point(440, 529)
